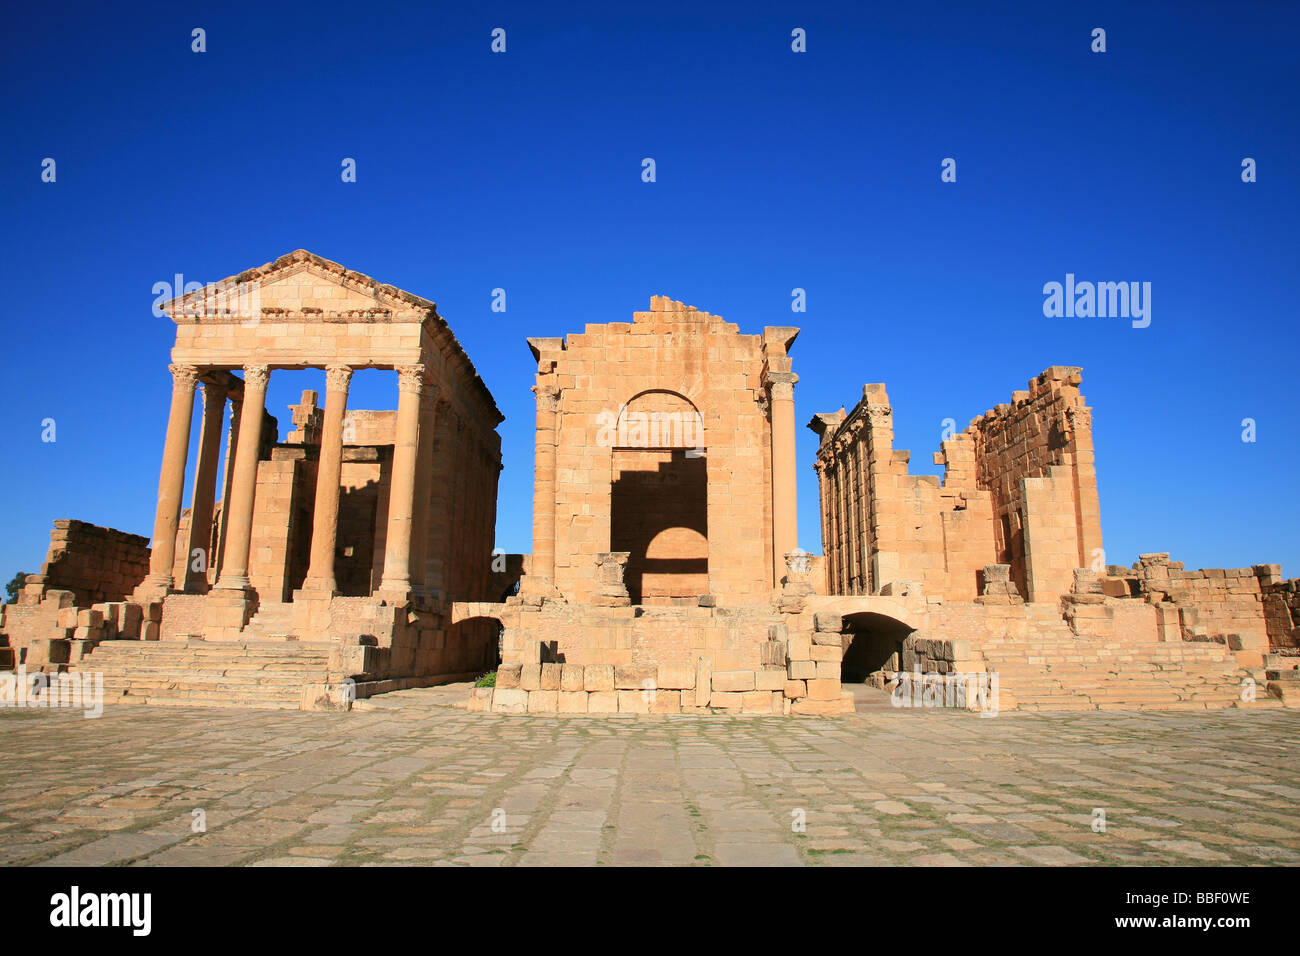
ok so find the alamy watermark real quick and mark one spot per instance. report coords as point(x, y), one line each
point(966, 691)
point(83, 691)
point(1102, 300)
point(242, 300)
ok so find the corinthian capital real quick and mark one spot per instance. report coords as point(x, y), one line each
point(184, 377)
point(781, 385)
point(337, 378)
point(410, 378)
point(548, 397)
point(256, 376)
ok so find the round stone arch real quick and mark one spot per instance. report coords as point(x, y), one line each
point(659, 418)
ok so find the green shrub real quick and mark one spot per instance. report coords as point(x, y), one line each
point(487, 680)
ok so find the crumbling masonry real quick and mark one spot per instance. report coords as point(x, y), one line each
point(356, 556)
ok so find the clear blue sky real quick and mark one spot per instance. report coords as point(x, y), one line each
point(775, 170)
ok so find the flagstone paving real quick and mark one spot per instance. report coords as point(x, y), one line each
point(413, 781)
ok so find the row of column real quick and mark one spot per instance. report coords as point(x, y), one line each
point(406, 516)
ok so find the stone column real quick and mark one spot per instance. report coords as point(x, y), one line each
point(329, 470)
point(205, 486)
point(423, 480)
point(396, 583)
point(541, 572)
point(171, 481)
point(227, 480)
point(239, 530)
point(785, 528)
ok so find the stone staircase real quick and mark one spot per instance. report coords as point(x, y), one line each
point(271, 622)
point(256, 673)
point(1067, 673)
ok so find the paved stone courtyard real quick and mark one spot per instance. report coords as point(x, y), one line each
point(412, 780)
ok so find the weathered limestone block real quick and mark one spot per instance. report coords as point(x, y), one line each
point(89, 617)
point(773, 654)
point(573, 702)
point(598, 678)
point(824, 689)
point(611, 591)
point(603, 701)
point(724, 700)
point(727, 681)
point(634, 676)
point(703, 681)
point(675, 678)
point(794, 689)
point(509, 675)
point(550, 676)
point(572, 680)
point(543, 701)
point(1086, 581)
point(829, 623)
point(510, 701)
point(633, 702)
point(769, 680)
point(530, 678)
point(666, 702)
point(801, 670)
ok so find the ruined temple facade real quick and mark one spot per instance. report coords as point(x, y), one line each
point(349, 538)
point(666, 577)
point(1019, 488)
point(355, 556)
point(670, 438)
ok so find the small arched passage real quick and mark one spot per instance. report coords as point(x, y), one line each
point(872, 643)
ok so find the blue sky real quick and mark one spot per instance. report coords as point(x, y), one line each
point(775, 170)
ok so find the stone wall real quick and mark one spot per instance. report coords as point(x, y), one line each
point(1019, 488)
point(683, 366)
point(96, 564)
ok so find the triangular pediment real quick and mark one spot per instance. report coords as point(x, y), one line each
point(299, 287)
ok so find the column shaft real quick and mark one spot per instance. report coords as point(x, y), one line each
point(420, 577)
point(785, 528)
point(227, 482)
point(239, 531)
point(205, 487)
point(171, 480)
point(396, 583)
point(543, 559)
point(329, 471)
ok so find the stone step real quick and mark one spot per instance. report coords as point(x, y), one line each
point(228, 689)
point(164, 700)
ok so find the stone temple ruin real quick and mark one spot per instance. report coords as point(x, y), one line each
point(356, 556)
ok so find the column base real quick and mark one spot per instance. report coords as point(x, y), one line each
point(154, 587)
point(535, 589)
point(225, 612)
point(394, 594)
point(311, 613)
